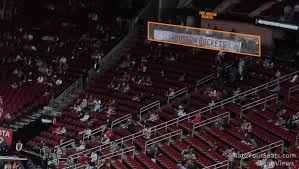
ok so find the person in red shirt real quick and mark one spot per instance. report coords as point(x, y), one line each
point(60, 166)
point(82, 159)
point(197, 119)
point(109, 133)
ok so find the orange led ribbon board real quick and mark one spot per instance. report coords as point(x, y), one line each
point(232, 42)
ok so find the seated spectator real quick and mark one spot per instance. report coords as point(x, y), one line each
point(231, 155)
point(83, 159)
point(180, 111)
point(40, 79)
point(220, 123)
point(246, 126)
point(277, 74)
point(94, 157)
point(147, 132)
point(85, 117)
point(109, 133)
point(170, 92)
point(14, 85)
point(81, 147)
point(83, 103)
point(86, 132)
point(154, 118)
point(60, 130)
point(188, 154)
point(77, 108)
point(110, 111)
point(62, 61)
point(295, 118)
point(277, 88)
point(97, 106)
point(126, 88)
point(114, 148)
point(58, 82)
point(182, 165)
point(105, 139)
point(152, 151)
point(249, 141)
point(58, 152)
point(111, 85)
point(237, 91)
point(212, 103)
point(212, 93)
point(268, 64)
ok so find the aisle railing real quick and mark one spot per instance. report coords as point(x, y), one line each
point(210, 120)
point(183, 91)
point(148, 107)
point(262, 101)
point(167, 136)
point(108, 156)
point(292, 90)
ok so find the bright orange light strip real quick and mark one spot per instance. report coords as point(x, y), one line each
point(225, 32)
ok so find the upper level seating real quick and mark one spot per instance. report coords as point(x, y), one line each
point(247, 7)
point(206, 138)
point(277, 11)
point(174, 65)
point(255, 76)
point(34, 49)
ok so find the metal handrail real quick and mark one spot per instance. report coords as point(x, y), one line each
point(148, 107)
point(218, 165)
point(212, 76)
point(204, 80)
point(163, 137)
point(200, 111)
point(221, 103)
point(178, 93)
point(252, 153)
point(100, 129)
point(293, 89)
point(258, 102)
point(107, 157)
point(120, 120)
point(70, 90)
point(210, 120)
point(100, 147)
point(261, 150)
point(67, 143)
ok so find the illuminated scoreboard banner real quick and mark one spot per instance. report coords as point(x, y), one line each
point(205, 38)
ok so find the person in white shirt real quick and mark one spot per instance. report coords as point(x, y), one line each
point(93, 157)
point(85, 117)
point(40, 79)
point(62, 61)
point(58, 82)
point(181, 111)
point(7, 166)
point(81, 147)
point(19, 146)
